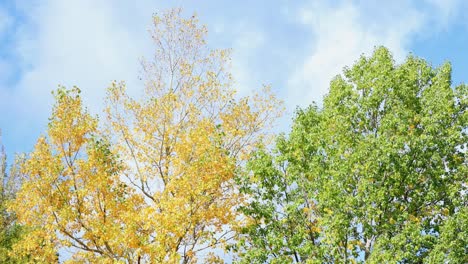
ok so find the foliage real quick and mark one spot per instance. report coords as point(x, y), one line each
point(376, 175)
point(10, 231)
point(155, 184)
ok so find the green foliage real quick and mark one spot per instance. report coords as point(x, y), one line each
point(9, 230)
point(282, 229)
point(377, 175)
point(452, 245)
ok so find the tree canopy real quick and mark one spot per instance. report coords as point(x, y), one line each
point(10, 231)
point(153, 182)
point(186, 172)
point(378, 174)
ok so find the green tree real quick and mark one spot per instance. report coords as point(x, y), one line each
point(378, 173)
point(10, 231)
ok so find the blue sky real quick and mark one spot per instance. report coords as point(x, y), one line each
point(295, 46)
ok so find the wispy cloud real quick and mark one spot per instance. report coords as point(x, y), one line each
point(84, 43)
point(344, 31)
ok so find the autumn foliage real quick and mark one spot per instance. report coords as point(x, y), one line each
point(184, 172)
point(154, 182)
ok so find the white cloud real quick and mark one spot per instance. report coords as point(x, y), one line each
point(85, 43)
point(342, 33)
point(75, 42)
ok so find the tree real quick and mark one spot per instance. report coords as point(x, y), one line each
point(378, 173)
point(281, 225)
point(155, 184)
point(10, 231)
point(71, 194)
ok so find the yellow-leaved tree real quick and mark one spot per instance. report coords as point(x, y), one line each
point(72, 195)
point(154, 184)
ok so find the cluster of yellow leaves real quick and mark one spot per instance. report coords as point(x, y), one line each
point(156, 185)
point(182, 143)
point(73, 195)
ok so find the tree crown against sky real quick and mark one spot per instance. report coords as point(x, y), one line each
point(377, 174)
point(10, 231)
point(155, 182)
